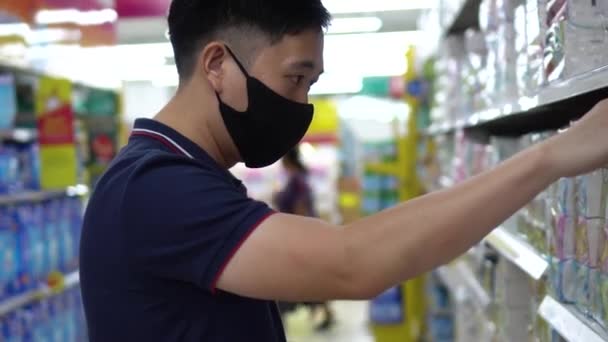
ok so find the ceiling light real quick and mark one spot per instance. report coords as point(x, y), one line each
point(14, 30)
point(355, 25)
point(47, 36)
point(74, 16)
point(330, 84)
point(363, 6)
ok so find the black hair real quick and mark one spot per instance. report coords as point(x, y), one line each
point(293, 158)
point(195, 23)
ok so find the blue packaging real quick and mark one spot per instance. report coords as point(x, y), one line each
point(56, 319)
point(8, 101)
point(29, 166)
point(27, 321)
point(13, 329)
point(70, 320)
point(81, 324)
point(76, 212)
point(9, 169)
point(32, 242)
point(41, 329)
point(52, 236)
point(9, 256)
point(68, 254)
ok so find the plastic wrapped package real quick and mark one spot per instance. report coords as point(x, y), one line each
point(529, 46)
point(449, 93)
point(602, 284)
point(563, 238)
point(506, 52)
point(521, 47)
point(475, 70)
point(489, 22)
point(554, 52)
point(455, 68)
point(586, 40)
point(596, 239)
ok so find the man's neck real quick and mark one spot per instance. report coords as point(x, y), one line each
point(196, 126)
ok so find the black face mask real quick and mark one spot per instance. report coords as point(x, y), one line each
point(270, 127)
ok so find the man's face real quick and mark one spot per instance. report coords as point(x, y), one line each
point(289, 67)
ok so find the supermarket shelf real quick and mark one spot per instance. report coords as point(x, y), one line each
point(20, 135)
point(390, 169)
point(569, 323)
point(554, 107)
point(518, 252)
point(69, 281)
point(38, 196)
point(461, 281)
point(467, 16)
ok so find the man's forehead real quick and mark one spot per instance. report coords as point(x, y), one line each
point(300, 51)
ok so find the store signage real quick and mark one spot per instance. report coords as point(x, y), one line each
point(22, 9)
point(325, 124)
point(139, 8)
point(55, 123)
point(387, 308)
point(83, 5)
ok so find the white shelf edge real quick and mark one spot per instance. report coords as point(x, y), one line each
point(21, 135)
point(518, 252)
point(570, 324)
point(561, 90)
point(12, 304)
point(71, 191)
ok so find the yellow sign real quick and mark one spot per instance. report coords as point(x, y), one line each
point(55, 121)
point(58, 166)
point(325, 123)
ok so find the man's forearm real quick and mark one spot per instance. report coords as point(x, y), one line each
point(423, 233)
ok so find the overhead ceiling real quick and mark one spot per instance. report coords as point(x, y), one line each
point(153, 30)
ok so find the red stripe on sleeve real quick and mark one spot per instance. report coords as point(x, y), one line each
point(236, 249)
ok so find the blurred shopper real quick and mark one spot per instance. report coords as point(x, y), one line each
point(173, 249)
point(297, 198)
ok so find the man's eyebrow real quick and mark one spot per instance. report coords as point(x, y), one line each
point(305, 65)
point(302, 65)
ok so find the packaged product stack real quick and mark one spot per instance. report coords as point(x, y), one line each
point(380, 191)
point(566, 225)
point(39, 235)
point(522, 47)
point(59, 318)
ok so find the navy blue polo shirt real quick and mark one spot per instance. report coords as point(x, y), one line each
point(159, 229)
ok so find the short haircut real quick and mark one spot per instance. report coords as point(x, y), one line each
point(195, 23)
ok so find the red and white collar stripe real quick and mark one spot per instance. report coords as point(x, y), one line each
point(163, 139)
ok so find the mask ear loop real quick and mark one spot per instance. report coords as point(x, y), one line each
point(237, 61)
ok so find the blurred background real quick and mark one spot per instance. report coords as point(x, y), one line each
point(417, 95)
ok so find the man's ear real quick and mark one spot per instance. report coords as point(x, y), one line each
point(212, 59)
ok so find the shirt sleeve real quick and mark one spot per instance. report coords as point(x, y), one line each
point(186, 223)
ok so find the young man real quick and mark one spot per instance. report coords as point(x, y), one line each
point(172, 248)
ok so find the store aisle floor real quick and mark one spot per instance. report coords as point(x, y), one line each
point(351, 325)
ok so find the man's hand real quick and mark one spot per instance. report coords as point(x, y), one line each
point(583, 147)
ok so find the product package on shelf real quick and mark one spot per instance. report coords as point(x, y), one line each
point(8, 103)
point(37, 240)
point(529, 47)
point(475, 71)
point(566, 225)
point(440, 310)
point(450, 70)
point(380, 191)
point(554, 49)
point(9, 257)
point(586, 39)
point(58, 318)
